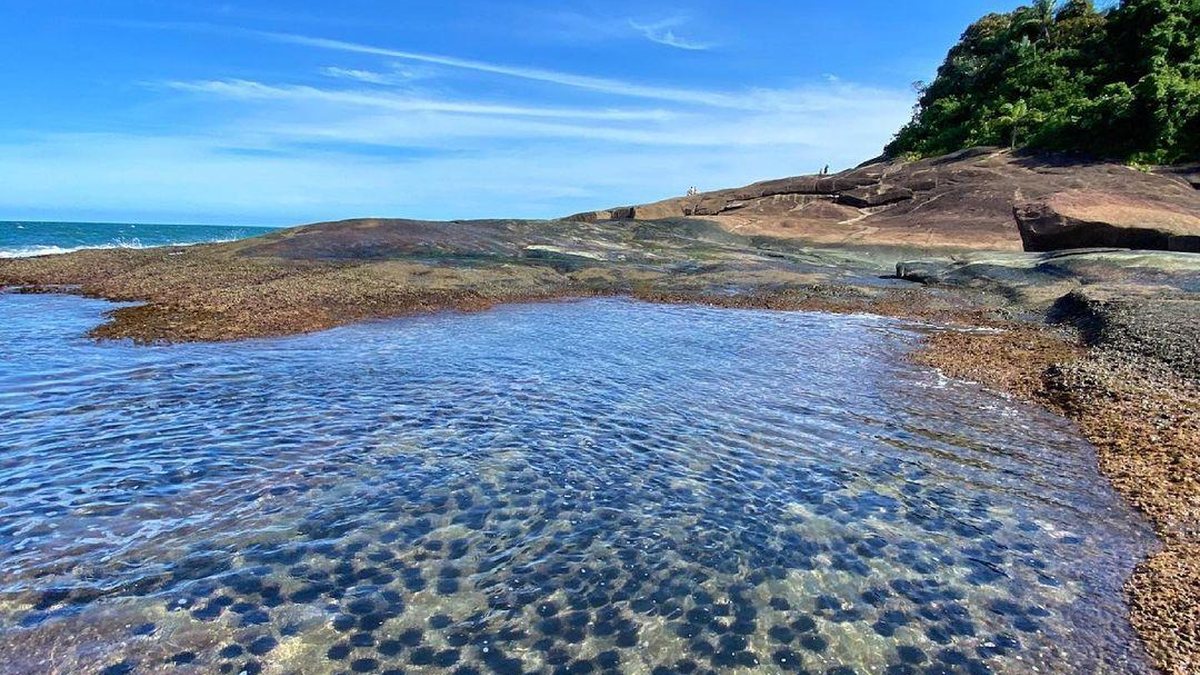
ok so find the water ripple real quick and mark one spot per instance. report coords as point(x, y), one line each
point(576, 487)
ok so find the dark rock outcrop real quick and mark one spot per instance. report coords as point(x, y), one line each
point(874, 195)
point(1088, 219)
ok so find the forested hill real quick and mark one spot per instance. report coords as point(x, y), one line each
point(1120, 82)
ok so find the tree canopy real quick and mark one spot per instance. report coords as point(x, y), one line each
point(1123, 83)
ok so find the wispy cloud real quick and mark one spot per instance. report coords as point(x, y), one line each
point(572, 26)
point(368, 76)
point(196, 178)
point(598, 84)
point(813, 115)
point(250, 90)
point(663, 33)
point(757, 100)
point(566, 79)
point(394, 75)
point(360, 137)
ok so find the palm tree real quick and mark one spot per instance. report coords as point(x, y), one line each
point(1014, 115)
point(1043, 16)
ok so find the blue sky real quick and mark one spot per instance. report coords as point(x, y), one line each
point(272, 112)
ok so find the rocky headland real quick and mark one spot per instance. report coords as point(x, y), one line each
point(1088, 272)
point(965, 200)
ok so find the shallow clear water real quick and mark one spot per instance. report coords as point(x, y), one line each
point(581, 487)
point(22, 239)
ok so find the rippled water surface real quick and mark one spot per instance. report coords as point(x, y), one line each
point(580, 487)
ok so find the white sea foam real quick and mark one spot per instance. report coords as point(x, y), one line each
point(40, 250)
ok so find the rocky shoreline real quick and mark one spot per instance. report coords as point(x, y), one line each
point(1137, 403)
point(1109, 338)
point(1143, 419)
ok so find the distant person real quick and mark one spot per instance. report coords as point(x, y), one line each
point(825, 171)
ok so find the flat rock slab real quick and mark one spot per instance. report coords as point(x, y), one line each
point(1036, 280)
point(1089, 218)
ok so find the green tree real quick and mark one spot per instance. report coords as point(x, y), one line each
point(1014, 115)
point(1123, 83)
point(1158, 49)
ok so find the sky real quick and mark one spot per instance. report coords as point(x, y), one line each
point(274, 113)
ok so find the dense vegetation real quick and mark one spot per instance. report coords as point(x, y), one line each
point(1122, 82)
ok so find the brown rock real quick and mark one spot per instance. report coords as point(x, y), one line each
point(1189, 174)
point(962, 201)
point(713, 205)
point(874, 195)
point(1091, 219)
point(921, 183)
point(803, 185)
point(669, 208)
point(590, 216)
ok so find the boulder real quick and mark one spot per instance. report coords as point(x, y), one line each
point(922, 271)
point(1161, 323)
point(874, 195)
point(1089, 219)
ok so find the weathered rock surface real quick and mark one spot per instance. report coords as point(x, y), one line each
point(1142, 302)
point(328, 274)
point(874, 195)
point(1089, 218)
point(1188, 174)
point(962, 201)
point(1037, 280)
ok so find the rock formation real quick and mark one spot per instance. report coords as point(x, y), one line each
point(966, 200)
point(1088, 218)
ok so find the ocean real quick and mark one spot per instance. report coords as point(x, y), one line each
point(19, 239)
